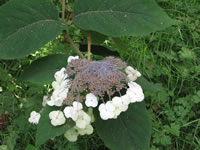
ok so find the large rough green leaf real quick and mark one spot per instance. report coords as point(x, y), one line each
point(42, 71)
point(26, 25)
point(120, 17)
point(45, 130)
point(130, 131)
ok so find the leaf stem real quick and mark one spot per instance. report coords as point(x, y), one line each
point(66, 36)
point(63, 10)
point(63, 18)
point(73, 44)
point(89, 46)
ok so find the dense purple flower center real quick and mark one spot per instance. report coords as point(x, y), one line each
point(99, 78)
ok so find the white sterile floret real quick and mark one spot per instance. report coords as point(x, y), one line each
point(134, 85)
point(135, 92)
point(60, 75)
point(67, 111)
point(65, 84)
point(109, 106)
point(132, 77)
point(83, 120)
point(71, 135)
point(53, 102)
point(119, 106)
point(72, 111)
point(34, 117)
point(45, 100)
point(60, 94)
point(88, 130)
point(117, 102)
point(70, 58)
point(55, 85)
point(107, 110)
point(58, 97)
point(126, 99)
point(103, 112)
point(60, 85)
point(77, 105)
point(130, 70)
point(57, 118)
point(91, 100)
point(132, 73)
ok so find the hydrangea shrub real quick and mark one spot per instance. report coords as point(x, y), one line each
point(88, 95)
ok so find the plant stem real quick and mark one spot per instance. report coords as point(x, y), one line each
point(89, 46)
point(66, 36)
point(65, 42)
point(73, 44)
point(63, 10)
point(63, 18)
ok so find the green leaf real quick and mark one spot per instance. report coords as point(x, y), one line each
point(96, 38)
point(42, 71)
point(45, 130)
point(120, 18)
point(26, 25)
point(31, 147)
point(72, 146)
point(11, 139)
point(130, 131)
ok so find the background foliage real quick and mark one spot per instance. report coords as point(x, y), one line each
point(168, 59)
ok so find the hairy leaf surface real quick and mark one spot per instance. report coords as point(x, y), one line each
point(120, 18)
point(26, 25)
point(45, 130)
point(130, 131)
point(42, 71)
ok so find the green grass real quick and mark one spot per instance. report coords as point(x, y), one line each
point(169, 59)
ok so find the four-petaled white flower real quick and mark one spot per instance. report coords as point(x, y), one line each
point(91, 100)
point(107, 110)
point(34, 117)
point(71, 135)
point(88, 130)
point(60, 75)
point(57, 118)
point(126, 99)
point(135, 92)
point(132, 73)
point(72, 111)
point(77, 105)
point(70, 58)
point(117, 102)
point(58, 97)
point(83, 120)
point(61, 87)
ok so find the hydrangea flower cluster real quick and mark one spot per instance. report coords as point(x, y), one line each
point(85, 85)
